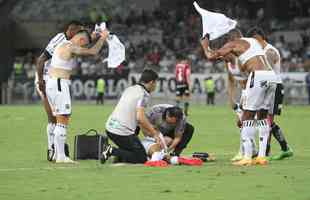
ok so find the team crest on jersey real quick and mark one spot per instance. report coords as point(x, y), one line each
point(67, 106)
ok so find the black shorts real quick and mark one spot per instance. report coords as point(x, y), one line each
point(182, 89)
point(278, 100)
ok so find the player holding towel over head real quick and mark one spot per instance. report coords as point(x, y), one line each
point(261, 82)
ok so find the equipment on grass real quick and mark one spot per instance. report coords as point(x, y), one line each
point(89, 146)
point(201, 155)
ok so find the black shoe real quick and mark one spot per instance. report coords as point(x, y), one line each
point(106, 153)
point(67, 153)
point(50, 154)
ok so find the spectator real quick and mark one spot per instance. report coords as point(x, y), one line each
point(210, 90)
point(100, 91)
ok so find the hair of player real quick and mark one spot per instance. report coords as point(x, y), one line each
point(85, 33)
point(148, 75)
point(180, 56)
point(74, 23)
point(89, 25)
point(174, 112)
point(256, 31)
point(221, 41)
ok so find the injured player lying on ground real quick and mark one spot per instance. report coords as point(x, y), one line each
point(160, 157)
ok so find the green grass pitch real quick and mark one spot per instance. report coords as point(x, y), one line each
point(25, 173)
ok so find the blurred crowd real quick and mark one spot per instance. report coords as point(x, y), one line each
point(154, 38)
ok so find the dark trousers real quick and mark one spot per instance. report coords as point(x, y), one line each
point(210, 98)
point(186, 137)
point(100, 98)
point(130, 148)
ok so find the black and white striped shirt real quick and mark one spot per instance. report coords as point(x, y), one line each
point(50, 48)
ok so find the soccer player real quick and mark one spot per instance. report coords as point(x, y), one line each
point(260, 88)
point(57, 86)
point(43, 64)
point(237, 77)
point(182, 77)
point(274, 59)
point(171, 122)
point(128, 114)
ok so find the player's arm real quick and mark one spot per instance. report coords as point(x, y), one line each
point(272, 56)
point(94, 50)
point(45, 56)
point(175, 141)
point(225, 50)
point(231, 89)
point(144, 123)
point(205, 46)
point(146, 126)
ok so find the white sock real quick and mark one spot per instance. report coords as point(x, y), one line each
point(174, 160)
point(263, 130)
point(50, 134)
point(248, 133)
point(59, 140)
point(158, 155)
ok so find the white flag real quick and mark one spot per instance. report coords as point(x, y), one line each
point(116, 51)
point(215, 24)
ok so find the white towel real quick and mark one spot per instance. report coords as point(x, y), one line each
point(100, 27)
point(215, 24)
point(116, 51)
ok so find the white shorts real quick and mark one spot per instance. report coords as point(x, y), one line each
point(58, 95)
point(260, 90)
point(147, 142)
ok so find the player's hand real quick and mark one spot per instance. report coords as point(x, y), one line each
point(104, 34)
point(204, 43)
point(41, 84)
point(161, 141)
point(239, 123)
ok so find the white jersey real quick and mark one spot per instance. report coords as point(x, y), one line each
point(277, 66)
point(50, 48)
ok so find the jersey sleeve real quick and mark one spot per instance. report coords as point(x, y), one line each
point(143, 101)
point(50, 48)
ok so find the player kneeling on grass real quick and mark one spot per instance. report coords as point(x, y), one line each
point(171, 122)
point(127, 115)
